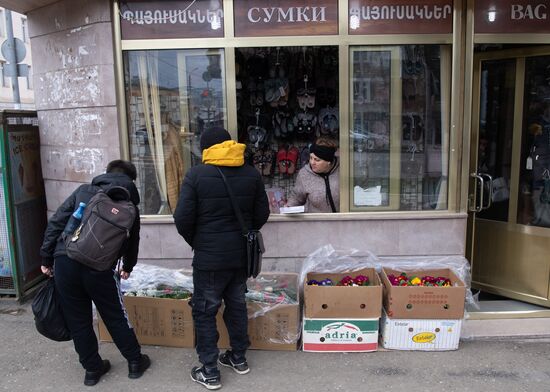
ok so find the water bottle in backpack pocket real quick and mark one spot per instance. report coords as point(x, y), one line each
point(74, 220)
point(106, 225)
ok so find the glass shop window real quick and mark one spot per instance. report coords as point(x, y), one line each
point(399, 120)
point(534, 180)
point(171, 97)
point(287, 98)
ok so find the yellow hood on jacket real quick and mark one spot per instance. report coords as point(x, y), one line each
point(228, 153)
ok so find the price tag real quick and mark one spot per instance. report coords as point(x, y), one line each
point(529, 163)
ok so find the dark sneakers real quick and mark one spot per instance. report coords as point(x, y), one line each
point(137, 368)
point(240, 366)
point(92, 378)
point(210, 378)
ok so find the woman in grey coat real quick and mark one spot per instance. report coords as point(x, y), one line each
point(318, 183)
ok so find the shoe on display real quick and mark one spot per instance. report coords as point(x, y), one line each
point(92, 378)
point(209, 378)
point(137, 368)
point(240, 367)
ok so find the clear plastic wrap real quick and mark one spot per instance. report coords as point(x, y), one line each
point(273, 309)
point(330, 260)
point(272, 298)
point(458, 264)
point(154, 281)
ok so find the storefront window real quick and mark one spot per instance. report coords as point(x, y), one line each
point(171, 97)
point(399, 139)
point(287, 98)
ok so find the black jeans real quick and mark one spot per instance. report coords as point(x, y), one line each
point(78, 286)
point(210, 287)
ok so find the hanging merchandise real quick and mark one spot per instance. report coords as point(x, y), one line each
point(285, 101)
point(256, 133)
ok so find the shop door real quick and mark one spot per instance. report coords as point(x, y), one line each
point(509, 197)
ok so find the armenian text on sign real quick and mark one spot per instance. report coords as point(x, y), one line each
point(171, 19)
point(400, 17)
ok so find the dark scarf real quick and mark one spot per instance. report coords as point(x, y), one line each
point(326, 177)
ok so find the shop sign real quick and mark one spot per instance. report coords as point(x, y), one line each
point(512, 16)
point(400, 17)
point(171, 19)
point(261, 18)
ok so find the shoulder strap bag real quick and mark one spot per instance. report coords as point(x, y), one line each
point(254, 241)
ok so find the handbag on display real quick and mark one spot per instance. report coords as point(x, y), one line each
point(254, 240)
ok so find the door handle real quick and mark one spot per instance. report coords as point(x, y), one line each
point(475, 207)
point(490, 180)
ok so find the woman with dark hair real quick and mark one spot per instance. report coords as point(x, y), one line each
point(318, 183)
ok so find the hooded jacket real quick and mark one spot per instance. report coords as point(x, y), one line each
point(53, 244)
point(310, 190)
point(204, 215)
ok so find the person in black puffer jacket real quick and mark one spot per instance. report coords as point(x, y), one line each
point(78, 285)
point(205, 218)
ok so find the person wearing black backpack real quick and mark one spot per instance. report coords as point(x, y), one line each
point(78, 284)
point(205, 218)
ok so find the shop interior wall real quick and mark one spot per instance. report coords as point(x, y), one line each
point(74, 81)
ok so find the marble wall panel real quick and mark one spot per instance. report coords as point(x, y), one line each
point(77, 164)
point(75, 88)
point(68, 14)
point(84, 47)
point(289, 243)
point(84, 127)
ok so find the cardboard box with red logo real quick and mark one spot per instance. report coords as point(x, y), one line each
point(341, 318)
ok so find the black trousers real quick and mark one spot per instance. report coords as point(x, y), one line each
point(210, 287)
point(78, 286)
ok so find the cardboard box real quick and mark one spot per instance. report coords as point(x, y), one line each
point(343, 302)
point(340, 335)
point(157, 321)
point(422, 335)
point(271, 326)
point(419, 302)
point(274, 327)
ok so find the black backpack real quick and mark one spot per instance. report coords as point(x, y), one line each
point(106, 224)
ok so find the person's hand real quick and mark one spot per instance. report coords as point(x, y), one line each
point(47, 271)
point(124, 275)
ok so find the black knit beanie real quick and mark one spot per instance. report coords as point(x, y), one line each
point(213, 136)
point(325, 153)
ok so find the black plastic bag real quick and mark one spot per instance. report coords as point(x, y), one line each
point(48, 316)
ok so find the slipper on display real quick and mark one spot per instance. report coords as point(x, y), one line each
point(267, 163)
point(292, 159)
point(281, 160)
point(257, 160)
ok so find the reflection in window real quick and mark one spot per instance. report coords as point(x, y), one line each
point(399, 110)
point(534, 189)
point(496, 131)
point(171, 97)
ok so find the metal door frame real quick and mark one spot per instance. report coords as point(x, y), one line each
point(519, 55)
